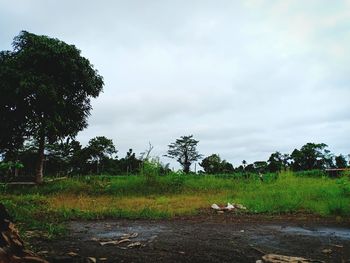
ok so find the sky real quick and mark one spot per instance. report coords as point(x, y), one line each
point(246, 78)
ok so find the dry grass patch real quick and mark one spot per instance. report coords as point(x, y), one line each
point(172, 205)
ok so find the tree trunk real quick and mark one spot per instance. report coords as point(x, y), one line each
point(186, 169)
point(40, 161)
point(187, 164)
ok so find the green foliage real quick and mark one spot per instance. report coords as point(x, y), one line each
point(211, 164)
point(31, 212)
point(100, 147)
point(311, 156)
point(9, 170)
point(277, 162)
point(46, 86)
point(184, 151)
point(214, 165)
point(10, 165)
point(344, 184)
point(151, 170)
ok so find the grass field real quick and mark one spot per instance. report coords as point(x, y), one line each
point(47, 206)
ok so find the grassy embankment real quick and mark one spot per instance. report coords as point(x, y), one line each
point(94, 197)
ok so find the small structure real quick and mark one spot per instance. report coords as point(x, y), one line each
point(336, 172)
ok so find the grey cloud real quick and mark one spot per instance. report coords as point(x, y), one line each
point(245, 77)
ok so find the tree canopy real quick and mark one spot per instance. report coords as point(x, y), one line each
point(184, 150)
point(99, 148)
point(311, 156)
point(213, 164)
point(45, 90)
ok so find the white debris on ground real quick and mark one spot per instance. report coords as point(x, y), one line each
point(135, 244)
point(229, 207)
point(215, 207)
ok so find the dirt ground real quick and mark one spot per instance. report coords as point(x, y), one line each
point(208, 238)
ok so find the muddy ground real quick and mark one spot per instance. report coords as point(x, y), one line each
point(210, 238)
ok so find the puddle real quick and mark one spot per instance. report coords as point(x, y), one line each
point(116, 231)
point(144, 233)
point(342, 233)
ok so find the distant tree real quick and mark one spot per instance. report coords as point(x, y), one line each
point(213, 164)
point(27, 155)
point(47, 85)
point(340, 161)
point(184, 151)
point(285, 160)
point(77, 160)
point(227, 167)
point(311, 156)
point(275, 162)
point(59, 156)
point(239, 169)
point(249, 169)
point(130, 164)
point(100, 148)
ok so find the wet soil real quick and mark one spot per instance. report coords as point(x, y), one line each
point(209, 238)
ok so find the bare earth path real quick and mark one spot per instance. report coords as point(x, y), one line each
point(211, 238)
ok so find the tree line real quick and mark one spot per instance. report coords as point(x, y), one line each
point(311, 156)
point(99, 156)
point(69, 157)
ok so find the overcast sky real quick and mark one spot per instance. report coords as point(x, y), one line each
point(246, 78)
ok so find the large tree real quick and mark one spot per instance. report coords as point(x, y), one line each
point(48, 86)
point(311, 156)
point(184, 151)
point(213, 164)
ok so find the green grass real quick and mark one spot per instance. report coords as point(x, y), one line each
point(46, 207)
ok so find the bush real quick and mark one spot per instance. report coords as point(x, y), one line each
point(7, 169)
point(344, 184)
point(151, 170)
